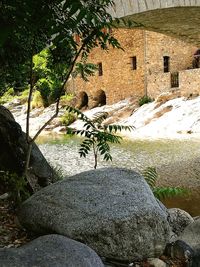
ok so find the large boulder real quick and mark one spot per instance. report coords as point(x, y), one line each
point(14, 148)
point(112, 210)
point(50, 251)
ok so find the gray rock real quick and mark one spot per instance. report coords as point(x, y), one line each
point(191, 234)
point(179, 250)
point(112, 210)
point(50, 251)
point(178, 220)
point(156, 262)
point(14, 148)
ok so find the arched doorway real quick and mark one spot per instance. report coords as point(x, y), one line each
point(100, 98)
point(82, 100)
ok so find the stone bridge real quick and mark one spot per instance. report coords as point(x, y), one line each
point(178, 18)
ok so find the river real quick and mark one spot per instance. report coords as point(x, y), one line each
point(177, 162)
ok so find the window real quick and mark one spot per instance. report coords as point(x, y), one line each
point(100, 68)
point(166, 60)
point(133, 63)
point(174, 79)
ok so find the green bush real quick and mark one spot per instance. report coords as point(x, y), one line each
point(23, 97)
point(144, 100)
point(55, 90)
point(15, 185)
point(37, 101)
point(8, 96)
point(44, 87)
point(67, 100)
point(68, 118)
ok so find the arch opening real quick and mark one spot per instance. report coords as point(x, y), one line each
point(100, 98)
point(82, 100)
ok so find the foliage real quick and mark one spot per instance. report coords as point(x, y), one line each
point(144, 100)
point(67, 118)
point(97, 136)
point(37, 101)
point(29, 26)
point(23, 97)
point(48, 77)
point(84, 70)
point(151, 176)
point(67, 100)
point(15, 185)
point(24, 31)
point(44, 87)
point(7, 96)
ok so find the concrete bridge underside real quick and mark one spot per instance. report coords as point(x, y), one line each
point(178, 18)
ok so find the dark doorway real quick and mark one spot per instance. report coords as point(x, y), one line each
point(82, 100)
point(100, 97)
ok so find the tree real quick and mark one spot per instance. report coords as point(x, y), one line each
point(97, 135)
point(36, 24)
point(24, 31)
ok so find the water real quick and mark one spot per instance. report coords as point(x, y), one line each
point(177, 162)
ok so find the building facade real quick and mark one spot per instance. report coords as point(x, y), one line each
point(149, 64)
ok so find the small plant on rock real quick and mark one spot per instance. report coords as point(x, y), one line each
point(144, 100)
point(151, 176)
point(97, 135)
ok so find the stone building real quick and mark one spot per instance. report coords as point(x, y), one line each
point(149, 64)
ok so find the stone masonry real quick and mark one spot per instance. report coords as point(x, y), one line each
point(119, 79)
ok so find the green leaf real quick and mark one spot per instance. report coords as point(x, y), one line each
point(151, 176)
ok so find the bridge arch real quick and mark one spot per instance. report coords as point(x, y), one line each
point(178, 18)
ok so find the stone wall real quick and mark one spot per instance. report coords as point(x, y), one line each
point(120, 81)
point(180, 58)
point(189, 82)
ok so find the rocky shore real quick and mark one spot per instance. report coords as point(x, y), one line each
point(168, 117)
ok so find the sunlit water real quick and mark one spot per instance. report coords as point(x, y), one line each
point(177, 163)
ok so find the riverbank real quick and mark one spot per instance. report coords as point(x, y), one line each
point(168, 117)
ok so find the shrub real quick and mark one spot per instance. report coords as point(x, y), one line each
point(8, 96)
point(55, 90)
point(37, 101)
point(67, 97)
point(68, 118)
point(44, 87)
point(15, 185)
point(24, 96)
point(144, 100)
